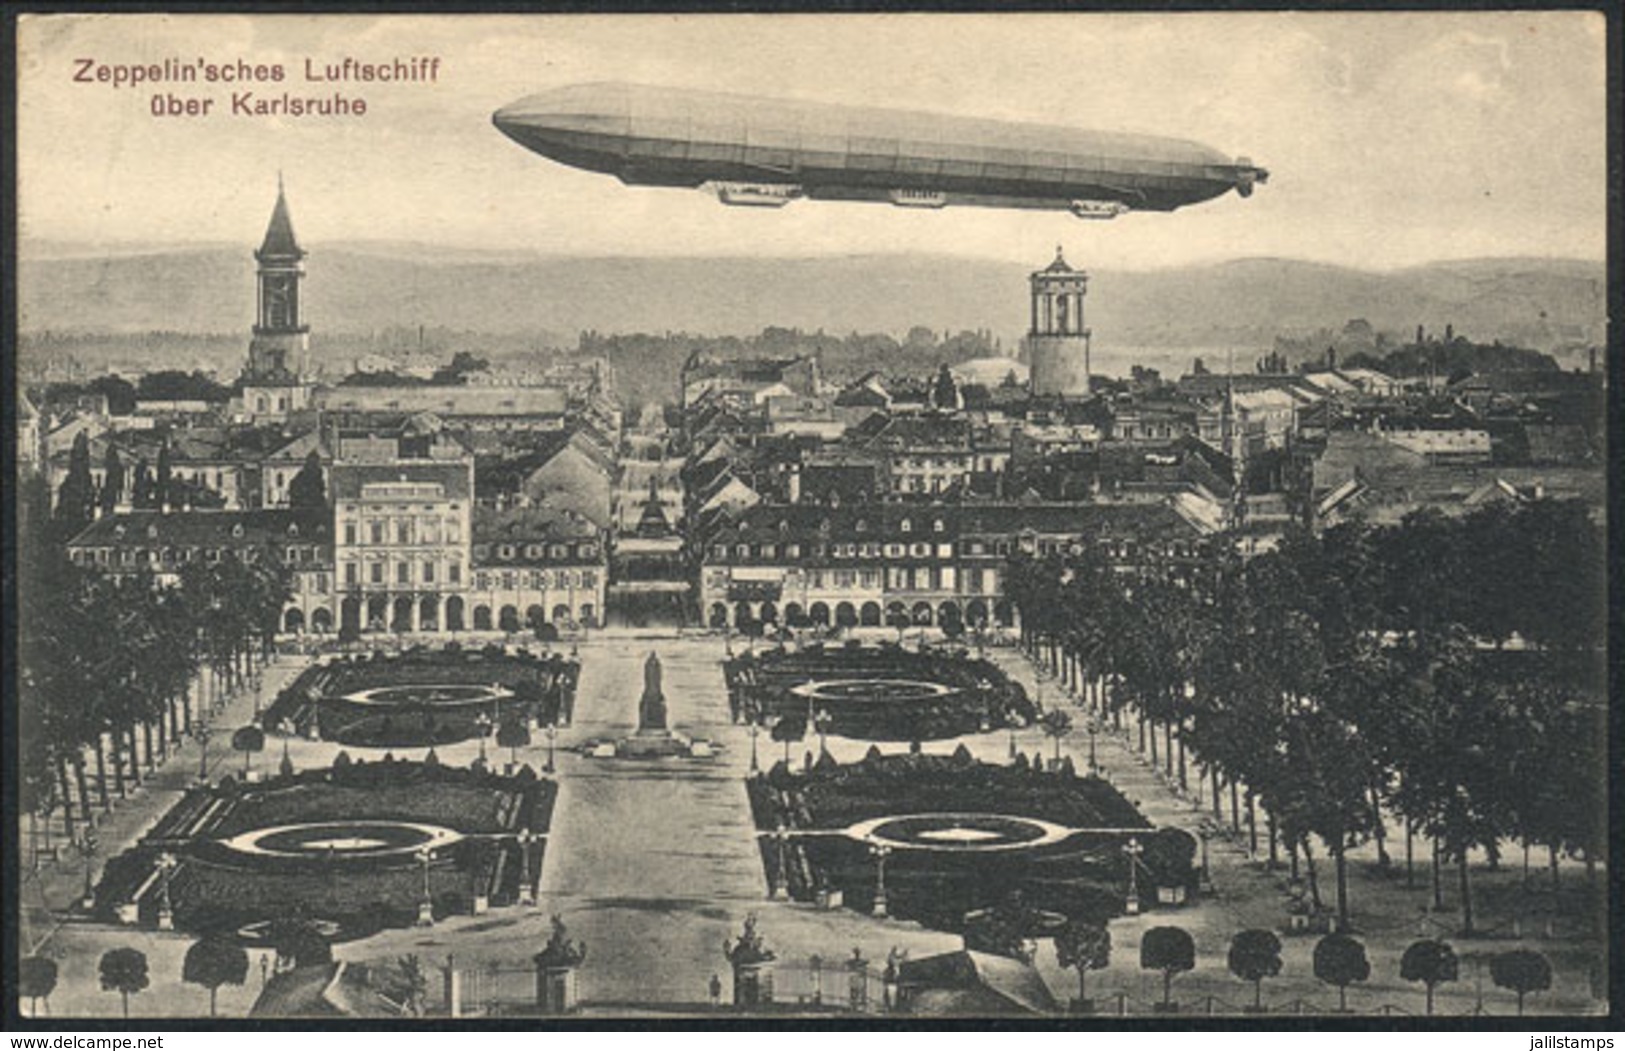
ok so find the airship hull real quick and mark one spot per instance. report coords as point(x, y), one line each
point(669, 137)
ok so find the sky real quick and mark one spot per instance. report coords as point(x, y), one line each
point(1393, 139)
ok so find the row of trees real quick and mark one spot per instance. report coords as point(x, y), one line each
point(1445, 671)
point(107, 667)
point(211, 962)
point(81, 499)
point(1255, 955)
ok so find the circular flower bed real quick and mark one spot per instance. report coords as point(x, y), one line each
point(876, 693)
point(342, 840)
point(959, 832)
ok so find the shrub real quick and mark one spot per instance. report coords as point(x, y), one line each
point(1170, 950)
point(1340, 961)
point(1254, 956)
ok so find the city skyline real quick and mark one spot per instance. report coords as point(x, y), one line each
point(1393, 140)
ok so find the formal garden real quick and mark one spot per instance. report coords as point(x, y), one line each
point(874, 693)
point(352, 849)
point(945, 839)
point(424, 697)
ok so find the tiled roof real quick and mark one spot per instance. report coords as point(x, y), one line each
point(280, 242)
point(529, 523)
point(456, 478)
point(204, 528)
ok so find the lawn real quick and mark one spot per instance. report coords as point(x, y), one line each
point(363, 881)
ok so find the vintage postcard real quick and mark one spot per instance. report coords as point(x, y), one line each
point(1059, 517)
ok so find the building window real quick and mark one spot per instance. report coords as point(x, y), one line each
point(377, 573)
point(403, 532)
point(349, 573)
point(792, 551)
point(558, 552)
point(936, 526)
point(428, 572)
point(349, 534)
point(589, 579)
point(482, 581)
point(533, 551)
point(536, 579)
point(377, 532)
point(906, 526)
point(507, 581)
point(589, 550)
point(506, 552)
point(482, 551)
point(455, 574)
point(403, 573)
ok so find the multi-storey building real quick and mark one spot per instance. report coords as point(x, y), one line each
point(534, 566)
point(158, 547)
point(897, 564)
point(401, 529)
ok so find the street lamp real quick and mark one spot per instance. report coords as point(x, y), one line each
point(88, 846)
point(1093, 730)
point(781, 875)
point(755, 728)
point(167, 864)
point(1204, 832)
point(483, 723)
point(880, 852)
point(822, 723)
point(527, 893)
point(552, 734)
point(426, 907)
point(204, 732)
point(1133, 849)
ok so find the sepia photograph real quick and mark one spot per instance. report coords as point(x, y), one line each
point(1057, 519)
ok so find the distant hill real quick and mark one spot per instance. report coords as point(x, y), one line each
point(366, 288)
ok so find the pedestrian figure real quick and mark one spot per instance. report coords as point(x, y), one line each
point(716, 991)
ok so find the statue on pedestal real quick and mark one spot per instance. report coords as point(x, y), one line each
point(652, 706)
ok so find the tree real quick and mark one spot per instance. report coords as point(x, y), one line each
point(307, 491)
point(1254, 956)
point(124, 971)
point(1006, 929)
point(248, 740)
point(1086, 945)
point(36, 979)
point(1057, 723)
point(482, 861)
point(142, 497)
point(1430, 962)
point(789, 729)
point(163, 486)
point(76, 498)
point(1523, 971)
point(1170, 950)
point(112, 480)
point(513, 735)
point(212, 962)
point(299, 943)
point(1340, 960)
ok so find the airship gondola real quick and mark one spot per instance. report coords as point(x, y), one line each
point(760, 152)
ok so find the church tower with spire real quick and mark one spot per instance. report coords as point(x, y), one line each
point(274, 382)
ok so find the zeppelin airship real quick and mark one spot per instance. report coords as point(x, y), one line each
point(765, 152)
